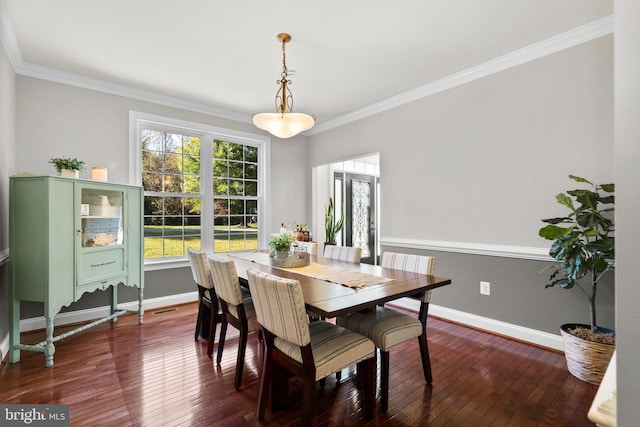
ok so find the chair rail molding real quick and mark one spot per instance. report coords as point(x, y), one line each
point(506, 251)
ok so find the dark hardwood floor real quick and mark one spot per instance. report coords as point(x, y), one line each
point(124, 374)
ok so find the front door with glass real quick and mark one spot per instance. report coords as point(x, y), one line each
point(360, 214)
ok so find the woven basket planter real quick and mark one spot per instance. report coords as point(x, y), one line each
point(586, 360)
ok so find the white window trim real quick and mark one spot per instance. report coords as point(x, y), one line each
point(138, 120)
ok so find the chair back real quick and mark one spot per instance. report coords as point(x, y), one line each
point(225, 280)
point(343, 253)
point(413, 263)
point(279, 306)
point(200, 268)
point(309, 247)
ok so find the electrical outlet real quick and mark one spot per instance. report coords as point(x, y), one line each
point(485, 288)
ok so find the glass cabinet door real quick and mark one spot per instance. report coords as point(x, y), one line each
point(101, 212)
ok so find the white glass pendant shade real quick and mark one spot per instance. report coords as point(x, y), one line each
point(283, 125)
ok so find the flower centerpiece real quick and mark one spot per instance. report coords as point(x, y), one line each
point(281, 244)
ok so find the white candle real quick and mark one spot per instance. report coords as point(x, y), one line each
point(99, 173)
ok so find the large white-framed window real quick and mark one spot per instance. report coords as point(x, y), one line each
point(204, 187)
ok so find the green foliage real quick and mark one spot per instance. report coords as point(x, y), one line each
point(67, 163)
point(281, 242)
point(586, 243)
point(331, 226)
point(171, 169)
point(162, 166)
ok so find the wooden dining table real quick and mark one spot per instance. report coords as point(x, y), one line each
point(329, 298)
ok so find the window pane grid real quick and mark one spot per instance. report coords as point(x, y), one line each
point(172, 224)
point(235, 169)
point(172, 179)
point(235, 224)
point(235, 191)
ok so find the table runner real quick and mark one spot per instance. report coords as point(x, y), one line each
point(350, 278)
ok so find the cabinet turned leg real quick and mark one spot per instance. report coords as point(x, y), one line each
point(140, 309)
point(14, 335)
point(49, 349)
point(114, 302)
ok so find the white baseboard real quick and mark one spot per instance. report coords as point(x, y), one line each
point(97, 313)
point(533, 336)
point(4, 347)
point(4, 256)
point(100, 312)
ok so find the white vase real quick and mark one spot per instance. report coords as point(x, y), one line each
point(68, 173)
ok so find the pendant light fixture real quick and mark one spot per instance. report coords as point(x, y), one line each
point(284, 123)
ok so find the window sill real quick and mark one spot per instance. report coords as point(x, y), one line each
point(164, 264)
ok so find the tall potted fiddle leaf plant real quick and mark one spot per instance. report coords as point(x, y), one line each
point(584, 246)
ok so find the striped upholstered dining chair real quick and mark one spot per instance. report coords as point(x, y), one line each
point(237, 309)
point(207, 298)
point(389, 328)
point(311, 351)
point(342, 253)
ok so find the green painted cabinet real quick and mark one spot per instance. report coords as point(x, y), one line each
point(68, 237)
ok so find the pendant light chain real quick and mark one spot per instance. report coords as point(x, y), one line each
point(284, 98)
point(284, 60)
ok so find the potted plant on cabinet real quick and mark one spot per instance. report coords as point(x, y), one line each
point(584, 244)
point(66, 166)
point(331, 226)
point(281, 244)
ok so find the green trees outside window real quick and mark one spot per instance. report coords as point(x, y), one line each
point(172, 179)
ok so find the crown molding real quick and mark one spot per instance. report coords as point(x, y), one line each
point(582, 34)
point(568, 39)
point(8, 39)
point(505, 251)
point(46, 73)
point(7, 36)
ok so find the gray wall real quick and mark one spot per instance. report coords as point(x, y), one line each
point(445, 143)
point(94, 127)
point(518, 295)
point(7, 146)
point(481, 164)
point(627, 107)
point(46, 128)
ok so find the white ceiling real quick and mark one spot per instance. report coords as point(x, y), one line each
point(347, 54)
